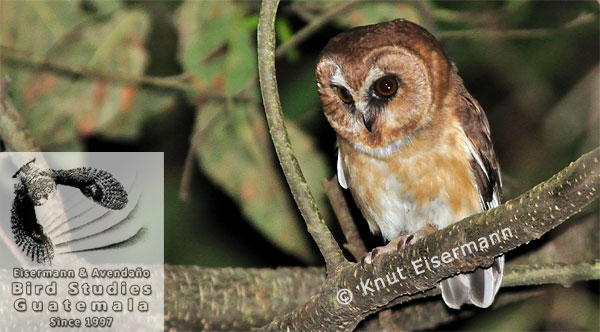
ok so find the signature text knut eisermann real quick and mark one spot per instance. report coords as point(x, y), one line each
point(422, 264)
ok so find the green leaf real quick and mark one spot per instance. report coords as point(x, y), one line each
point(59, 108)
point(240, 63)
point(216, 45)
point(45, 25)
point(235, 150)
point(236, 154)
point(204, 30)
point(136, 105)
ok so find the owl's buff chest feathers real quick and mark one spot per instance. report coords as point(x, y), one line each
point(425, 182)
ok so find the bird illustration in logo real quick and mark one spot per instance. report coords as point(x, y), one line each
point(36, 186)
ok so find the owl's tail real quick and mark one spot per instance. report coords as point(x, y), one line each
point(478, 287)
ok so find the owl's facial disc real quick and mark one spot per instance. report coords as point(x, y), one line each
point(378, 101)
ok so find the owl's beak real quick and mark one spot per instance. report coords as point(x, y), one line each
point(368, 119)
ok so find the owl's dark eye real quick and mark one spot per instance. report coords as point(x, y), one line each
point(385, 87)
point(344, 94)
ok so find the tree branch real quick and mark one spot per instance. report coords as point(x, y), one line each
point(298, 186)
point(581, 19)
point(13, 131)
point(354, 242)
point(314, 25)
point(176, 83)
point(192, 294)
point(432, 312)
point(203, 298)
point(524, 218)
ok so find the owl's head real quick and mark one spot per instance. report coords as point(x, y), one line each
point(380, 83)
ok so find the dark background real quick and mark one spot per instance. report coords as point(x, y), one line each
point(533, 66)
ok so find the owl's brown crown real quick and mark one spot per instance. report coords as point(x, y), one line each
point(399, 32)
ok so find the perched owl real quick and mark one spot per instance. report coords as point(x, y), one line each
point(37, 186)
point(414, 145)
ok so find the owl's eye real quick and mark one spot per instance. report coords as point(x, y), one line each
point(344, 94)
point(385, 87)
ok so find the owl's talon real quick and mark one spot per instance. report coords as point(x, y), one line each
point(403, 242)
point(396, 245)
point(370, 257)
point(366, 260)
point(408, 239)
point(373, 255)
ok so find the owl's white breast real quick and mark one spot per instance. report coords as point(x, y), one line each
point(396, 211)
point(420, 185)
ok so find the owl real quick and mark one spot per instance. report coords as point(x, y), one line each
point(414, 146)
point(38, 186)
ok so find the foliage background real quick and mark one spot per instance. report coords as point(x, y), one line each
point(180, 77)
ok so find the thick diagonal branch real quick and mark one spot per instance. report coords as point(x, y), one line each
point(298, 185)
point(502, 229)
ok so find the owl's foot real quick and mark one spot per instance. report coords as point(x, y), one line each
point(397, 244)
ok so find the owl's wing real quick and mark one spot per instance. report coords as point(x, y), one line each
point(96, 184)
point(484, 164)
point(480, 286)
point(29, 234)
point(340, 172)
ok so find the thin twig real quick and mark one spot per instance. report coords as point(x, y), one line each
point(268, 83)
point(170, 83)
point(354, 242)
point(313, 26)
point(300, 9)
point(186, 175)
point(477, 17)
point(188, 166)
point(581, 19)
